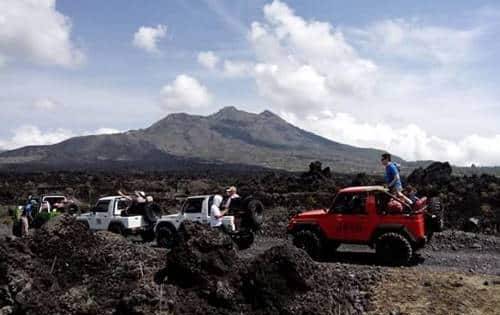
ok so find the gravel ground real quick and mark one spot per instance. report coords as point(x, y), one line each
point(472, 253)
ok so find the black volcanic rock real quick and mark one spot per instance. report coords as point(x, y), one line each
point(228, 136)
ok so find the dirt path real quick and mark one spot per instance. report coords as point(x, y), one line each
point(424, 291)
point(474, 261)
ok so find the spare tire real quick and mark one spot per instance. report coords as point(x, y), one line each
point(255, 210)
point(152, 213)
point(436, 209)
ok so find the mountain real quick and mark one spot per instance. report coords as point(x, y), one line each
point(228, 136)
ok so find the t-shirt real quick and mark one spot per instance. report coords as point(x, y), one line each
point(215, 216)
point(228, 201)
point(391, 171)
point(28, 209)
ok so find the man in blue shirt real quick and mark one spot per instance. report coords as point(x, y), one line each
point(392, 177)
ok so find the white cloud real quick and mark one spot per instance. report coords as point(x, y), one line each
point(106, 131)
point(305, 62)
point(184, 94)
point(46, 104)
point(414, 41)
point(407, 141)
point(32, 135)
point(35, 31)
point(147, 37)
point(208, 59)
point(28, 135)
point(318, 77)
point(238, 68)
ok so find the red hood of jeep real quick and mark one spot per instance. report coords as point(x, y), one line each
point(311, 214)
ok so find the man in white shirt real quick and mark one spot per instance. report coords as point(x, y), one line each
point(215, 213)
point(231, 194)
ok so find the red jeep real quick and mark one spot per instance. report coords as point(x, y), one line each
point(368, 215)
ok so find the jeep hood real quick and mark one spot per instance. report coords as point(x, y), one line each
point(310, 213)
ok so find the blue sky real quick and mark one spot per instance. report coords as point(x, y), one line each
point(417, 78)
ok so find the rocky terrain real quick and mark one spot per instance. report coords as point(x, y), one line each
point(64, 269)
point(283, 193)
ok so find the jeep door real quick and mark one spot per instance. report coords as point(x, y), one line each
point(101, 215)
point(192, 209)
point(348, 218)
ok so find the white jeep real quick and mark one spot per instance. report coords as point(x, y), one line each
point(109, 215)
point(197, 209)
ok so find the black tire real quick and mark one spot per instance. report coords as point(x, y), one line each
point(393, 249)
point(253, 215)
point(152, 213)
point(148, 236)
point(166, 236)
point(436, 209)
point(330, 248)
point(243, 239)
point(310, 242)
point(73, 209)
point(116, 228)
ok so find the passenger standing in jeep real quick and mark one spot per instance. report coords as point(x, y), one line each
point(231, 194)
point(392, 178)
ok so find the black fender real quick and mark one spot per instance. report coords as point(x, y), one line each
point(164, 223)
point(397, 228)
point(310, 226)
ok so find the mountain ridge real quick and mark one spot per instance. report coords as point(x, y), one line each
point(227, 136)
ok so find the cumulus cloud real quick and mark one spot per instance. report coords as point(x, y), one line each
point(407, 141)
point(28, 135)
point(36, 32)
point(184, 94)
point(208, 59)
point(319, 78)
point(305, 62)
point(147, 38)
point(46, 104)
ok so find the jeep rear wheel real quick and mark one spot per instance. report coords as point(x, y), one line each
point(116, 228)
point(166, 236)
point(310, 242)
point(393, 249)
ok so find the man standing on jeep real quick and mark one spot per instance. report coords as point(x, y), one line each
point(392, 177)
point(231, 194)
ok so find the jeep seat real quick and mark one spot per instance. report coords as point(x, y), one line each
point(420, 204)
point(394, 206)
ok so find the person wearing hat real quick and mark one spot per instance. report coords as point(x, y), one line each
point(232, 193)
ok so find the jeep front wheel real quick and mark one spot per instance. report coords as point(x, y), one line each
point(310, 242)
point(393, 249)
point(166, 236)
